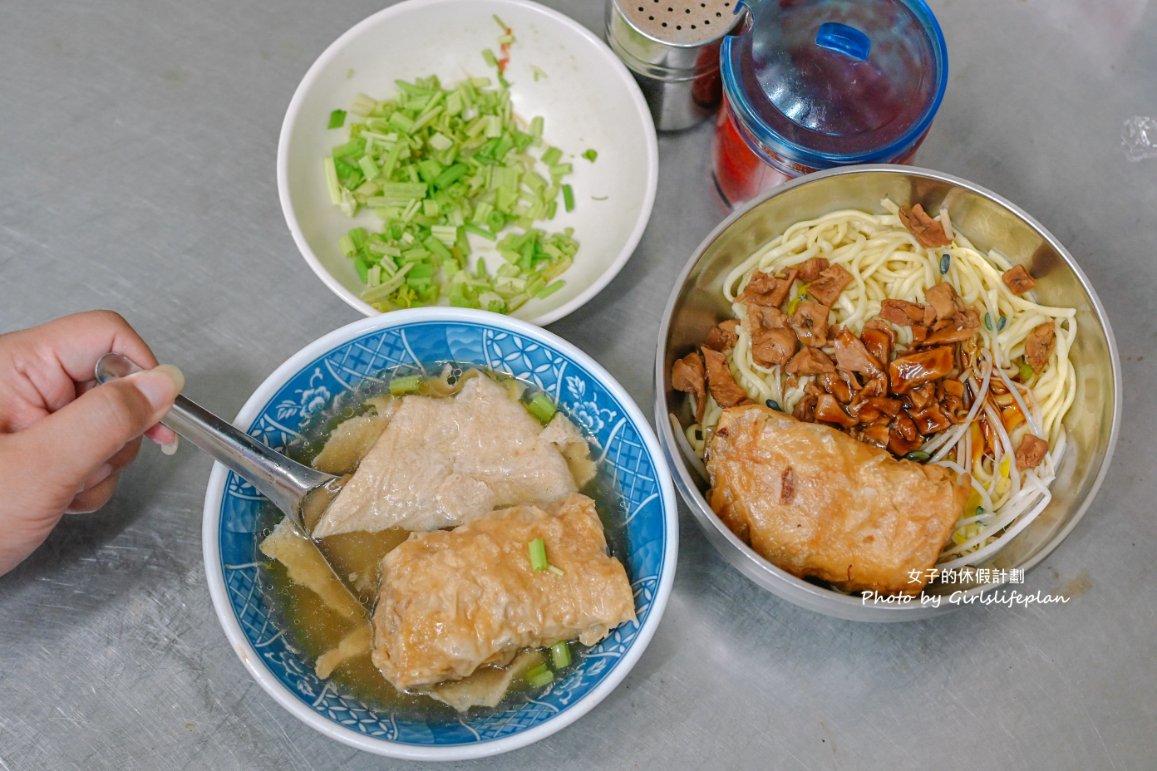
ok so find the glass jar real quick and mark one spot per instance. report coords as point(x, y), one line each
point(814, 84)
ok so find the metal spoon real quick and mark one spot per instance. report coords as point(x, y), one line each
point(300, 492)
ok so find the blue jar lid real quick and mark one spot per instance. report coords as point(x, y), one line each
point(833, 82)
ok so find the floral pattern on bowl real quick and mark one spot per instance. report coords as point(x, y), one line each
point(628, 458)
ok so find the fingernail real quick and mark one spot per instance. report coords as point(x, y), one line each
point(170, 448)
point(160, 384)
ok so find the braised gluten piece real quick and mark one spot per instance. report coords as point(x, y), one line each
point(820, 504)
point(451, 601)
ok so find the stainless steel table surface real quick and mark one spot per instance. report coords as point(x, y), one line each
point(137, 146)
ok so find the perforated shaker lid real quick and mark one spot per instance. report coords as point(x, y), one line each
point(835, 82)
point(680, 22)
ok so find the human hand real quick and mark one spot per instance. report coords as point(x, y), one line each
point(63, 442)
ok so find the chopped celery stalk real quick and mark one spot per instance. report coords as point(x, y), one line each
point(363, 269)
point(539, 676)
point(440, 167)
point(552, 156)
point(538, 561)
point(405, 385)
point(331, 182)
point(560, 655)
point(368, 167)
point(488, 234)
point(542, 408)
point(549, 289)
point(336, 119)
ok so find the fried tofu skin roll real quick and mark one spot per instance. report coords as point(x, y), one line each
point(820, 504)
point(451, 601)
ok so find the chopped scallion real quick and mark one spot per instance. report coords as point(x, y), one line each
point(591, 154)
point(568, 197)
point(405, 385)
point(539, 676)
point(337, 119)
point(917, 455)
point(560, 655)
point(945, 262)
point(541, 407)
point(538, 561)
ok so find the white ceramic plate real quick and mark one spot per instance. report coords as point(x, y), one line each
point(586, 96)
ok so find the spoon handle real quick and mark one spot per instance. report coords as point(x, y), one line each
point(283, 481)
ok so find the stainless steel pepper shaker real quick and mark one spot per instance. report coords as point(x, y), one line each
point(672, 48)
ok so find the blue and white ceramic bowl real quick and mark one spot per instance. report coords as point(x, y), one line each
point(290, 400)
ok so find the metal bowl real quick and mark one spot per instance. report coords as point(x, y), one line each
point(989, 221)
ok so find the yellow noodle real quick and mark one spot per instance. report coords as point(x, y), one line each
point(886, 261)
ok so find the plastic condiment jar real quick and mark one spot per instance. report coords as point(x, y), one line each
point(814, 84)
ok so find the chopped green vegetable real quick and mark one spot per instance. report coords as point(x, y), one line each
point(1026, 372)
point(945, 262)
point(1000, 324)
point(538, 561)
point(988, 321)
point(774, 405)
point(549, 289)
point(437, 165)
point(542, 408)
point(918, 455)
point(405, 385)
point(591, 155)
point(539, 676)
point(560, 655)
point(337, 119)
point(552, 156)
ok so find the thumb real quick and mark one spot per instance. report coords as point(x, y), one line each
point(81, 436)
